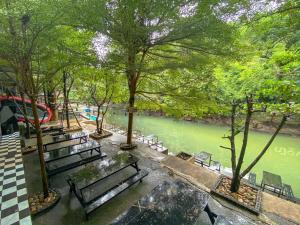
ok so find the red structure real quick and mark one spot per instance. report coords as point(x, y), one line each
point(15, 104)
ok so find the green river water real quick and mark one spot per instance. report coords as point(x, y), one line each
point(283, 156)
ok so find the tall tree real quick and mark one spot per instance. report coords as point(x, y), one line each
point(138, 31)
point(268, 78)
point(237, 160)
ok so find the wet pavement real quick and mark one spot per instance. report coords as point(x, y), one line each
point(69, 211)
point(173, 203)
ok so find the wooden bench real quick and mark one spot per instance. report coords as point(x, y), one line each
point(288, 192)
point(113, 192)
point(252, 178)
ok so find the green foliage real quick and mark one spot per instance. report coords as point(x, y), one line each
point(101, 80)
point(195, 63)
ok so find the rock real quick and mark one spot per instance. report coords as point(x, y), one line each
point(234, 195)
point(242, 191)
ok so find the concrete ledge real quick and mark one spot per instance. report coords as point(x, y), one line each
point(199, 176)
point(281, 207)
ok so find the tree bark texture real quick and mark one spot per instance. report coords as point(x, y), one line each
point(40, 148)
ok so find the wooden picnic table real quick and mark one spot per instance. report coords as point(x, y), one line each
point(85, 182)
point(99, 171)
point(272, 181)
point(63, 159)
point(72, 150)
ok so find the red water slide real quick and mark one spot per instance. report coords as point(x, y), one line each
point(44, 111)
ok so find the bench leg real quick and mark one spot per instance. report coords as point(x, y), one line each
point(212, 216)
point(98, 150)
point(72, 186)
point(135, 165)
point(49, 180)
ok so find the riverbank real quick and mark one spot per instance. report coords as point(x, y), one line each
point(265, 126)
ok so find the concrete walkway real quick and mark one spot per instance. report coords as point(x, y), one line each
point(281, 207)
point(275, 210)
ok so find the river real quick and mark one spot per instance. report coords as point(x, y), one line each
point(282, 158)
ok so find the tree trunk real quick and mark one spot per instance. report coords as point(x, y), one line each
point(40, 148)
point(232, 138)
point(67, 114)
point(235, 183)
point(132, 81)
point(66, 101)
point(45, 95)
point(52, 105)
point(101, 124)
point(103, 115)
point(97, 120)
point(130, 118)
point(27, 133)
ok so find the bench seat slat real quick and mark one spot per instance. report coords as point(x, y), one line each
point(118, 189)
